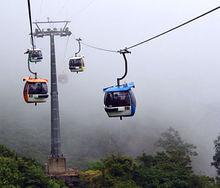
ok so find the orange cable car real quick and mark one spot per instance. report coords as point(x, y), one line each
point(35, 90)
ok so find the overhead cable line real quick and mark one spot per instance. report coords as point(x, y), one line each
point(67, 42)
point(30, 20)
point(174, 28)
point(84, 8)
point(154, 37)
point(41, 7)
point(62, 8)
point(98, 48)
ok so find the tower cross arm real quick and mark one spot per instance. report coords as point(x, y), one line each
point(62, 31)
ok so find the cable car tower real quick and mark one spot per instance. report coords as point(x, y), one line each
point(56, 161)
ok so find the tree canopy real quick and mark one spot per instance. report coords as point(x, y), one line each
point(168, 168)
point(19, 172)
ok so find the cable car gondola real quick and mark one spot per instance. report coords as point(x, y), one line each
point(120, 101)
point(35, 90)
point(34, 55)
point(76, 64)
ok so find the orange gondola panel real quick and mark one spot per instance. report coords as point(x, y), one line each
point(35, 90)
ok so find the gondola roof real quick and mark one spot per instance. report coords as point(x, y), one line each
point(34, 80)
point(77, 57)
point(123, 87)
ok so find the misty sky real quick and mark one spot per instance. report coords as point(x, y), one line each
point(176, 76)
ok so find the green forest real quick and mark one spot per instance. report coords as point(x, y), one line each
point(19, 172)
point(169, 167)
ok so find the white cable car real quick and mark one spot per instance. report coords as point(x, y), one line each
point(76, 64)
point(34, 55)
point(35, 90)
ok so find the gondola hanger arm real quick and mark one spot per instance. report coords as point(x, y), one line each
point(123, 52)
point(79, 42)
point(29, 68)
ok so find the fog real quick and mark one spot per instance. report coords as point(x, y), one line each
point(176, 76)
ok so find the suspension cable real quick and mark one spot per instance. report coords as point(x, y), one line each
point(98, 48)
point(174, 28)
point(64, 55)
point(156, 36)
point(84, 8)
point(30, 20)
point(41, 8)
point(62, 8)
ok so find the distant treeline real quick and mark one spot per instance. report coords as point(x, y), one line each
point(80, 143)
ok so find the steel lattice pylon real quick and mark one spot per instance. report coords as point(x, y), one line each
point(55, 118)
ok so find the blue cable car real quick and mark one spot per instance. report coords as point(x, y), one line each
point(120, 101)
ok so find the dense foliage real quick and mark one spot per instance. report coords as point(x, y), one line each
point(169, 168)
point(216, 157)
point(20, 172)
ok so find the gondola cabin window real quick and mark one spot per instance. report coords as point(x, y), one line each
point(37, 88)
point(116, 99)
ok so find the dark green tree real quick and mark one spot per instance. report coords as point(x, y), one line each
point(22, 172)
point(5, 152)
point(216, 157)
point(170, 141)
point(9, 173)
point(116, 171)
point(169, 168)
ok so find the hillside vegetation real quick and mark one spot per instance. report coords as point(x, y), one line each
point(20, 172)
point(169, 168)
